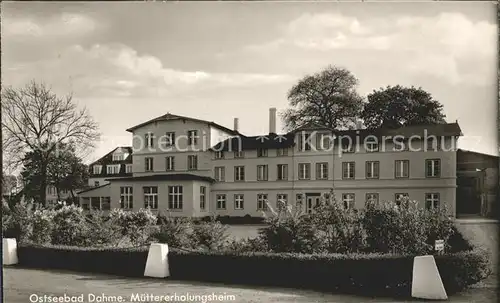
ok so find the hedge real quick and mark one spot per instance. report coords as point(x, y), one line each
point(236, 220)
point(368, 274)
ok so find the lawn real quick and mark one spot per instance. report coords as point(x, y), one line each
point(243, 231)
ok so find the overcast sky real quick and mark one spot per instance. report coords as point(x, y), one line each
point(130, 62)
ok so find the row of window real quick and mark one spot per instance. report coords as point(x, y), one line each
point(261, 152)
point(97, 203)
point(170, 137)
point(111, 169)
point(192, 163)
point(372, 170)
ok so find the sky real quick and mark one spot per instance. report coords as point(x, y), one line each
point(131, 62)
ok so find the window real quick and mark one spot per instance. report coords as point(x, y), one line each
point(371, 146)
point(282, 201)
point(238, 201)
point(219, 174)
point(113, 169)
point(304, 142)
point(105, 203)
point(304, 171)
point(282, 173)
point(175, 197)
point(169, 163)
point(262, 202)
point(128, 168)
point(117, 157)
point(126, 197)
point(192, 162)
point(323, 142)
point(149, 164)
point(95, 203)
point(348, 201)
point(170, 139)
point(372, 198)
point(150, 197)
point(239, 154)
point(86, 203)
point(322, 171)
point(221, 201)
point(348, 170)
point(432, 168)
point(239, 173)
point(261, 152)
point(432, 200)
point(348, 147)
point(400, 197)
point(262, 173)
point(192, 137)
point(96, 183)
point(149, 140)
point(281, 152)
point(219, 155)
point(432, 144)
point(299, 200)
point(97, 169)
point(402, 168)
point(203, 197)
point(372, 169)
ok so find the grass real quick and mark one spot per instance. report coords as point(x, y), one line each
point(243, 231)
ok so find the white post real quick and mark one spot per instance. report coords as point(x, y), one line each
point(157, 262)
point(426, 281)
point(9, 251)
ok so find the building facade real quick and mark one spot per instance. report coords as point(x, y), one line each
point(193, 167)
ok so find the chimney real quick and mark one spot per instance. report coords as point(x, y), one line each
point(359, 124)
point(272, 120)
point(236, 124)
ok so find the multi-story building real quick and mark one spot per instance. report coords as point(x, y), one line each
point(193, 167)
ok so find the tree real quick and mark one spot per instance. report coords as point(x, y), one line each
point(328, 98)
point(36, 120)
point(396, 106)
point(9, 184)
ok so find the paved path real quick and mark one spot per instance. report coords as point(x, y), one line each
point(20, 284)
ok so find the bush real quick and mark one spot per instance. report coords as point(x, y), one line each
point(173, 231)
point(101, 229)
point(209, 235)
point(138, 226)
point(235, 220)
point(42, 225)
point(69, 226)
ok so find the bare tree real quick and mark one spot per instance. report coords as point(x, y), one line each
point(328, 97)
point(34, 119)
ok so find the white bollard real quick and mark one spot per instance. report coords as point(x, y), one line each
point(426, 282)
point(9, 251)
point(157, 263)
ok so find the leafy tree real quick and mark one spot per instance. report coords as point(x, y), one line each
point(9, 184)
point(35, 120)
point(396, 106)
point(328, 98)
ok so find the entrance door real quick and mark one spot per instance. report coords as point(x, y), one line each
point(311, 203)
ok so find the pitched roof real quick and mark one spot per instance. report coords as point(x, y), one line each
point(170, 116)
point(107, 159)
point(269, 141)
point(165, 177)
point(312, 126)
point(438, 130)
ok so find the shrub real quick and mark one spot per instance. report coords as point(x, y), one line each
point(247, 245)
point(138, 226)
point(289, 230)
point(42, 224)
point(101, 229)
point(438, 226)
point(69, 226)
point(19, 219)
point(209, 235)
point(173, 231)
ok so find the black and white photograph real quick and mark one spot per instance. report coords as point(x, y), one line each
point(250, 151)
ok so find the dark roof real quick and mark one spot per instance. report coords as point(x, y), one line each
point(165, 177)
point(170, 116)
point(477, 153)
point(108, 158)
point(91, 189)
point(312, 126)
point(438, 130)
point(269, 141)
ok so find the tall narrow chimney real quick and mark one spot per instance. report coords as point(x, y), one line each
point(359, 124)
point(272, 120)
point(236, 124)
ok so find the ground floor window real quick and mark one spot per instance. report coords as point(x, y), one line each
point(150, 197)
point(282, 201)
point(126, 197)
point(262, 202)
point(372, 198)
point(203, 197)
point(431, 200)
point(348, 201)
point(238, 201)
point(97, 203)
point(401, 197)
point(221, 201)
point(175, 197)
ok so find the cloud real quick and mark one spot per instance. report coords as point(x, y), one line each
point(119, 71)
point(441, 45)
point(65, 24)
